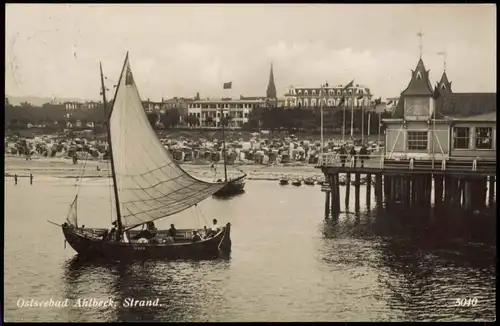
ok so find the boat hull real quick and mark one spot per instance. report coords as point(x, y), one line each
point(95, 248)
point(232, 188)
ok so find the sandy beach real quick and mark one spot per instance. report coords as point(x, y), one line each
point(64, 168)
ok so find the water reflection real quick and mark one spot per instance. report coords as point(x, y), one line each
point(183, 289)
point(424, 262)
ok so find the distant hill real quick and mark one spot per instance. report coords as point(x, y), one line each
point(39, 101)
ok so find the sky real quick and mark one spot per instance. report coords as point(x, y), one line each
point(54, 50)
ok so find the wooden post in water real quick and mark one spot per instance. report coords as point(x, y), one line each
point(467, 196)
point(333, 208)
point(461, 190)
point(378, 189)
point(368, 190)
point(337, 192)
point(447, 190)
point(491, 190)
point(438, 190)
point(327, 204)
point(357, 181)
point(347, 190)
point(428, 197)
point(484, 191)
point(387, 190)
point(406, 190)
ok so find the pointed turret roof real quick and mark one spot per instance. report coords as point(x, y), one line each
point(444, 84)
point(419, 83)
point(271, 88)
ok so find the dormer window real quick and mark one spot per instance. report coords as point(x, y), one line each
point(419, 75)
point(443, 86)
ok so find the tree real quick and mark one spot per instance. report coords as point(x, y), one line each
point(170, 118)
point(209, 121)
point(226, 120)
point(152, 117)
point(191, 120)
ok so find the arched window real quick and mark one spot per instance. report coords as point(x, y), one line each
point(313, 92)
point(300, 103)
point(300, 92)
point(313, 102)
point(331, 92)
point(330, 102)
point(306, 92)
point(306, 103)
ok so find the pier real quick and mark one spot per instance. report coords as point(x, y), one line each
point(409, 184)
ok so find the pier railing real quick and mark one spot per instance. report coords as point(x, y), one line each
point(381, 162)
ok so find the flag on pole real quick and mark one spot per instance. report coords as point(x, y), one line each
point(389, 103)
point(348, 85)
point(228, 85)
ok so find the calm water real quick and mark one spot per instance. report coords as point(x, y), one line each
point(287, 263)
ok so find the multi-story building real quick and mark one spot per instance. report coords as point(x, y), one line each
point(152, 106)
point(307, 97)
point(80, 106)
point(209, 112)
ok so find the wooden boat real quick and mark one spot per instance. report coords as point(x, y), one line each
point(232, 187)
point(235, 186)
point(283, 182)
point(309, 182)
point(148, 185)
point(297, 183)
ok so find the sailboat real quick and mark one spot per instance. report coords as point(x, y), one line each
point(148, 185)
point(234, 186)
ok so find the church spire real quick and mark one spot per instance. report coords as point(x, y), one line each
point(271, 88)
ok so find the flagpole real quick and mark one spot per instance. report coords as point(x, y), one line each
point(362, 124)
point(352, 112)
point(433, 134)
point(321, 110)
point(343, 123)
point(369, 115)
point(379, 126)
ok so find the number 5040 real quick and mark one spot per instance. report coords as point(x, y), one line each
point(466, 302)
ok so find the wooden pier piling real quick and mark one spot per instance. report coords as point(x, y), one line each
point(491, 190)
point(357, 181)
point(347, 190)
point(368, 190)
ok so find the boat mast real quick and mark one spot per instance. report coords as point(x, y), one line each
point(223, 145)
point(108, 129)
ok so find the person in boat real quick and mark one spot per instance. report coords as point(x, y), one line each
point(112, 232)
point(151, 226)
point(172, 232)
point(213, 230)
point(196, 236)
point(342, 155)
point(146, 234)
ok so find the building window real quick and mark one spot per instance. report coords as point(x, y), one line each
point(484, 138)
point(461, 137)
point(417, 140)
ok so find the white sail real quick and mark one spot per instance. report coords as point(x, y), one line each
point(72, 218)
point(151, 185)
